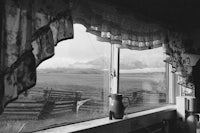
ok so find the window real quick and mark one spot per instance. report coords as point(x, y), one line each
point(143, 78)
point(74, 85)
point(71, 87)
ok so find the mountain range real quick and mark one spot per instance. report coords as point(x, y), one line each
point(97, 65)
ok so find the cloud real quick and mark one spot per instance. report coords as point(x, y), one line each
point(57, 62)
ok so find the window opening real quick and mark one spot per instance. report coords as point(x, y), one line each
point(143, 78)
point(74, 85)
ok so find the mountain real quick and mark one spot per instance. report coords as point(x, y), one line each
point(70, 70)
point(100, 63)
point(103, 63)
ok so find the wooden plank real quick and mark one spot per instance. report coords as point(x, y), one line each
point(22, 109)
point(25, 101)
point(18, 117)
point(62, 106)
point(21, 113)
point(13, 105)
point(35, 92)
point(66, 107)
point(63, 92)
point(64, 102)
point(60, 112)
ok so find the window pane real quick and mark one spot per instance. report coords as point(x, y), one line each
point(71, 87)
point(143, 78)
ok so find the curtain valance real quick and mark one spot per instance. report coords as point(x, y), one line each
point(116, 27)
point(30, 30)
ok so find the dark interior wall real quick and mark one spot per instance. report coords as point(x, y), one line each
point(195, 35)
point(182, 15)
point(195, 44)
point(196, 77)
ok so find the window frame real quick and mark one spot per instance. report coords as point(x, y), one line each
point(114, 69)
point(104, 124)
point(171, 78)
point(173, 89)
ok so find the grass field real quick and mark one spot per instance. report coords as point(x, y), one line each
point(91, 85)
point(69, 80)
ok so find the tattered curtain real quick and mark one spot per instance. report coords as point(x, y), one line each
point(30, 30)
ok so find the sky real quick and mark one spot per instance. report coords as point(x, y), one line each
point(84, 47)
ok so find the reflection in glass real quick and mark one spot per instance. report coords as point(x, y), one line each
point(143, 78)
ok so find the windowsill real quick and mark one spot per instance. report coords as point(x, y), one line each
point(129, 123)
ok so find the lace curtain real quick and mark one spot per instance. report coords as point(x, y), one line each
point(183, 56)
point(31, 29)
point(118, 27)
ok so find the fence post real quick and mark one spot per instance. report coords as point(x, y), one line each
point(102, 95)
point(45, 95)
point(46, 110)
point(76, 99)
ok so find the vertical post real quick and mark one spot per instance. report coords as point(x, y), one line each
point(118, 68)
point(75, 102)
point(172, 85)
point(114, 69)
point(114, 73)
point(102, 95)
point(111, 69)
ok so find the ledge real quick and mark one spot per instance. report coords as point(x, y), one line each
point(130, 122)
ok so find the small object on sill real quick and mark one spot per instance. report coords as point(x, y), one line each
point(116, 106)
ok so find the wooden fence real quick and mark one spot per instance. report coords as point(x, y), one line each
point(47, 103)
point(59, 102)
point(22, 110)
point(145, 97)
point(43, 103)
